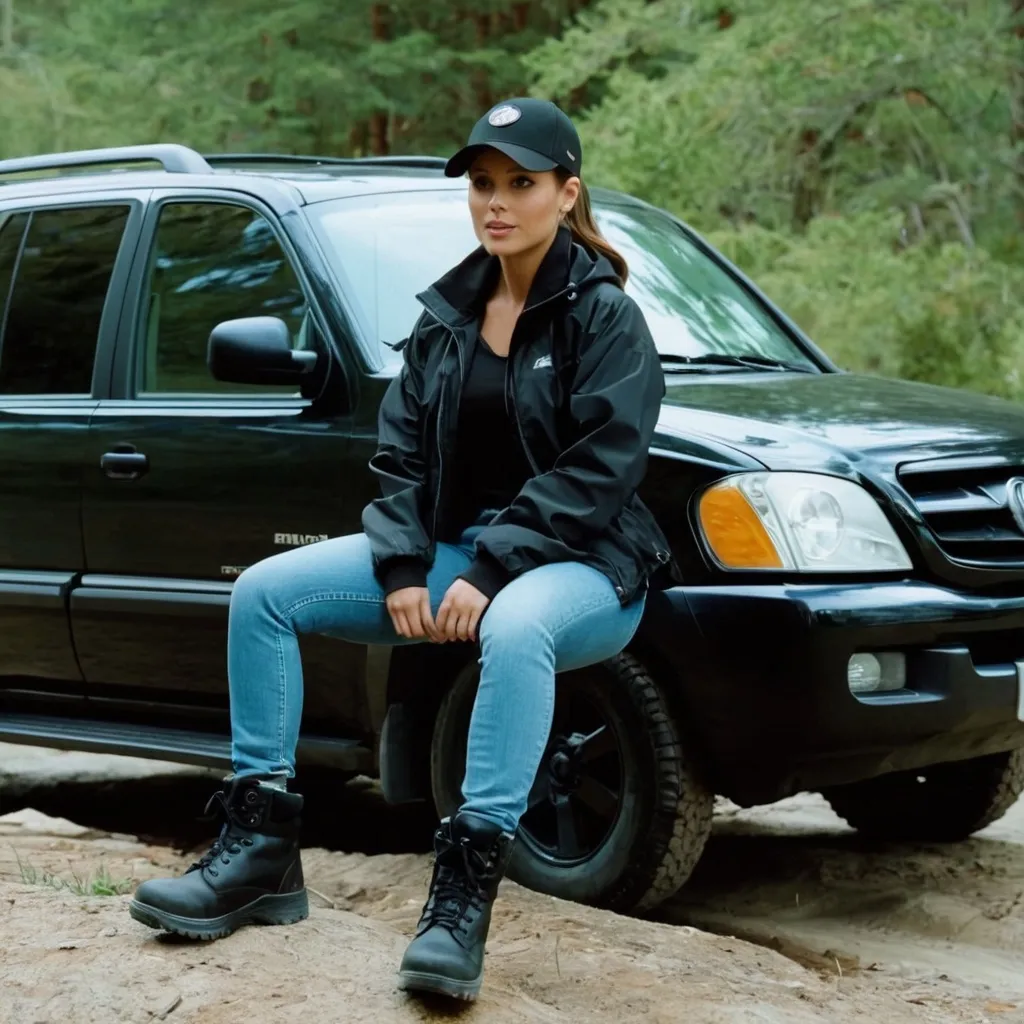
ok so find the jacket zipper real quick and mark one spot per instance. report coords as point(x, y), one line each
point(510, 392)
point(440, 420)
point(662, 557)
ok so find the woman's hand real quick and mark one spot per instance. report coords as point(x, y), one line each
point(409, 609)
point(460, 611)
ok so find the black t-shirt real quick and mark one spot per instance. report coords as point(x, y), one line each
point(490, 464)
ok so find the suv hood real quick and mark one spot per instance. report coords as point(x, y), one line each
point(838, 422)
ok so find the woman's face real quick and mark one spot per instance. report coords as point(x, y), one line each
point(515, 210)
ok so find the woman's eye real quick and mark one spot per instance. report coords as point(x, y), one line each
point(523, 182)
point(480, 183)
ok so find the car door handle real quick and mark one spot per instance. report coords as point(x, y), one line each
point(124, 465)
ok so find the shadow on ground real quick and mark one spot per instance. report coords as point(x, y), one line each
point(351, 817)
point(766, 861)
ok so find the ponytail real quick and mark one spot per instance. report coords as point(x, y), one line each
point(580, 221)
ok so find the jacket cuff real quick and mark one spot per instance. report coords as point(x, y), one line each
point(487, 574)
point(400, 573)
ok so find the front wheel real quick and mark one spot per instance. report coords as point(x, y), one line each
point(941, 803)
point(617, 815)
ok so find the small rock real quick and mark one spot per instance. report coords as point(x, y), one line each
point(168, 1007)
point(107, 933)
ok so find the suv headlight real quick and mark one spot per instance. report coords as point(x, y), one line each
point(805, 522)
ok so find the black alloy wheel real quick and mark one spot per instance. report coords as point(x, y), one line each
point(617, 816)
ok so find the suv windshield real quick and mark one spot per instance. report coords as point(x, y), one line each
point(389, 247)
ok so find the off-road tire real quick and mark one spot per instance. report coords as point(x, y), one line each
point(655, 842)
point(941, 803)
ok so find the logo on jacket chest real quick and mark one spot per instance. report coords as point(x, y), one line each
point(543, 362)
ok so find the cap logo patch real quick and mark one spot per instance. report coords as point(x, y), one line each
point(505, 115)
point(571, 154)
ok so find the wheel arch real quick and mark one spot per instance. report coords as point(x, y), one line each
point(415, 682)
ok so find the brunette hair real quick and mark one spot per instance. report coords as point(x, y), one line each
point(580, 221)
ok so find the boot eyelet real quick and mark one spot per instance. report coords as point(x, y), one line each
point(252, 819)
point(214, 872)
point(251, 796)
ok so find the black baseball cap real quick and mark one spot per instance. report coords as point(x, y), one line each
point(535, 133)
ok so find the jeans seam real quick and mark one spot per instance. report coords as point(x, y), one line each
point(286, 614)
point(329, 595)
point(283, 704)
point(579, 614)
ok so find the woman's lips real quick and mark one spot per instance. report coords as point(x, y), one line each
point(498, 230)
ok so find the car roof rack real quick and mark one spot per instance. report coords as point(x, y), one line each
point(172, 157)
point(178, 159)
point(243, 159)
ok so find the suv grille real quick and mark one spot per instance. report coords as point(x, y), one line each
point(964, 503)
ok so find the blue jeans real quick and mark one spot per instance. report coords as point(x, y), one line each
point(554, 618)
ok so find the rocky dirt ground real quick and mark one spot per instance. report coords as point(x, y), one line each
point(791, 918)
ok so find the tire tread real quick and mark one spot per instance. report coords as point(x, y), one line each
point(967, 796)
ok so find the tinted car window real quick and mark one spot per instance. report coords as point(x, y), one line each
point(390, 247)
point(212, 262)
point(56, 298)
point(12, 231)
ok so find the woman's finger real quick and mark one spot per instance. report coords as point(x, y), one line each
point(416, 631)
point(399, 621)
point(451, 624)
point(474, 623)
point(465, 618)
point(427, 619)
point(442, 618)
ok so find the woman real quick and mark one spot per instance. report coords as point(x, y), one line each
point(511, 446)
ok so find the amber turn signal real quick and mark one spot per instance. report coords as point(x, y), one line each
point(734, 531)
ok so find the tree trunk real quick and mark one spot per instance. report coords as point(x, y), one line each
point(358, 138)
point(379, 145)
point(481, 85)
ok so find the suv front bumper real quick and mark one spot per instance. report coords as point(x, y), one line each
point(762, 680)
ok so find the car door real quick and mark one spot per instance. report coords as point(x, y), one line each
point(62, 265)
point(190, 479)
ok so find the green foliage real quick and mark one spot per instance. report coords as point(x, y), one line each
point(798, 109)
point(862, 159)
point(940, 313)
point(304, 76)
point(857, 157)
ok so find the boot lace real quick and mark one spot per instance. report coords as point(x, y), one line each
point(457, 889)
point(226, 844)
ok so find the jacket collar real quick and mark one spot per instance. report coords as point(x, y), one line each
point(460, 295)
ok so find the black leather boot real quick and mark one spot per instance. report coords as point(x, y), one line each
point(447, 954)
point(251, 875)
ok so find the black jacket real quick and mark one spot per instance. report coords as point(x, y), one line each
point(584, 385)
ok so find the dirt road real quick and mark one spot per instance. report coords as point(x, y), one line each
point(791, 918)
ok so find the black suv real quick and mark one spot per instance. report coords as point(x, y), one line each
point(852, 617)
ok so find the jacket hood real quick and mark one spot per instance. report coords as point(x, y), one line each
point(461, 294)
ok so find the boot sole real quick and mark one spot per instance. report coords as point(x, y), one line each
point(284, 908)
point(419, 981)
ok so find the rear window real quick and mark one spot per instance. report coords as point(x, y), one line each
point(55, 271)
point(387, 248)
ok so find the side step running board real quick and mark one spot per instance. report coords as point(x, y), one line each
point(211, 750)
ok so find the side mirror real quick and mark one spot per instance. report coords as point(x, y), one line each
point(257, 350)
